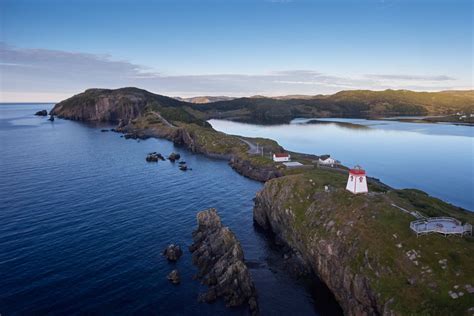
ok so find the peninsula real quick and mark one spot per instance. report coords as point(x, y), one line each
point(360, 246)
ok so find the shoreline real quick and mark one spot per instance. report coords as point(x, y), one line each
point(286, 198)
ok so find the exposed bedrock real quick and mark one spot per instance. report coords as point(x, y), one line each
point(326, 257)
point(245, 168)
point(41, 113)
point(173, 252)
point(220, 260)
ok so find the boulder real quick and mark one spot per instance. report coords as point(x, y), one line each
point(220, 260)
point(51, 118)
point(173, 252)
point(174, 277)
point(154, 156)
point(174, 156)
point(42, 113)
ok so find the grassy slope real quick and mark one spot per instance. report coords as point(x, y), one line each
point(356, 103)
point(375, 223)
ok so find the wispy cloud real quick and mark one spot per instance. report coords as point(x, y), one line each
point(410, 77)
point(44, 74)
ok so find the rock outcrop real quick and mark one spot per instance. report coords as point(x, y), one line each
point(174, 277)
point(173, 157)
point(173, 252)
point(220, 260)
point(325, 257)
point(41, 113)
point(259, 173)
point(154, 157)
point(361, 246)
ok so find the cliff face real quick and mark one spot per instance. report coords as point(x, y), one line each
point(258, 173)
point(102, 105)
point(124, 104)
point(220, 260)
point(361, 247)
point(324, 255)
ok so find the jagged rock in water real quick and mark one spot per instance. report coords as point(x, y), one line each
point(42, 113)
point(174, 277)
point(174, 156)
point(51, 118)
point(173, 252)
point(152, 157)
point(220, 260)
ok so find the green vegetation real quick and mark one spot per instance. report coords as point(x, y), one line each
point(379, 242)
point(112, 105)
point(356, 103)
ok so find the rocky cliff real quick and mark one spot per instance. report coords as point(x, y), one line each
point(124, 104)
point(362, 248)
point(220, 259)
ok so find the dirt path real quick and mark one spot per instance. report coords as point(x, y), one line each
point(163, 119)
point(253, 149)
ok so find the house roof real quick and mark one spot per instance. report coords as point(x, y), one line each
point(324, 157)
point(281, 155)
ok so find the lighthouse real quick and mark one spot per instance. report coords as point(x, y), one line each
point(357, 181)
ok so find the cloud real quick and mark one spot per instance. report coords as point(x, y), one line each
point(51, 75)
point(409, 77)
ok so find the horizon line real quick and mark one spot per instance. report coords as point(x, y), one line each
point(246, 96)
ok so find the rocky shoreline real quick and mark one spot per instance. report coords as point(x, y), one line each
point(361, 246)
point(180, 136)
point(324, 257)
point(220, 260)
point(358, 246)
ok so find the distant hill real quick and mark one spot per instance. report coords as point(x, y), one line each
point(353, 103)
point(129, 103)
point(205, 99)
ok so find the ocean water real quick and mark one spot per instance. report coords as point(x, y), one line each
point(436, 158)
point(84, 220)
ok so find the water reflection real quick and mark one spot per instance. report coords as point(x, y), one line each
point(436, 158)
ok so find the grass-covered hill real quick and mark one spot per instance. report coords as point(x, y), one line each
point(124, 104)
point(362, 246)
point(129, 103)
point(355, 103)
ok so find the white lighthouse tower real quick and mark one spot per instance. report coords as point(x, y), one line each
point(357, 181)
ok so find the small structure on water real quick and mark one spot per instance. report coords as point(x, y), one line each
point(281, 157)
point(357, 181)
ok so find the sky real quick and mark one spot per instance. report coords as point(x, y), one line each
point(53, 49)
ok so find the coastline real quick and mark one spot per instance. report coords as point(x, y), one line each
point(357, 291)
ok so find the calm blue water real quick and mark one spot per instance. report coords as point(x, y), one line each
point(436, 158)
point(84, 220)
